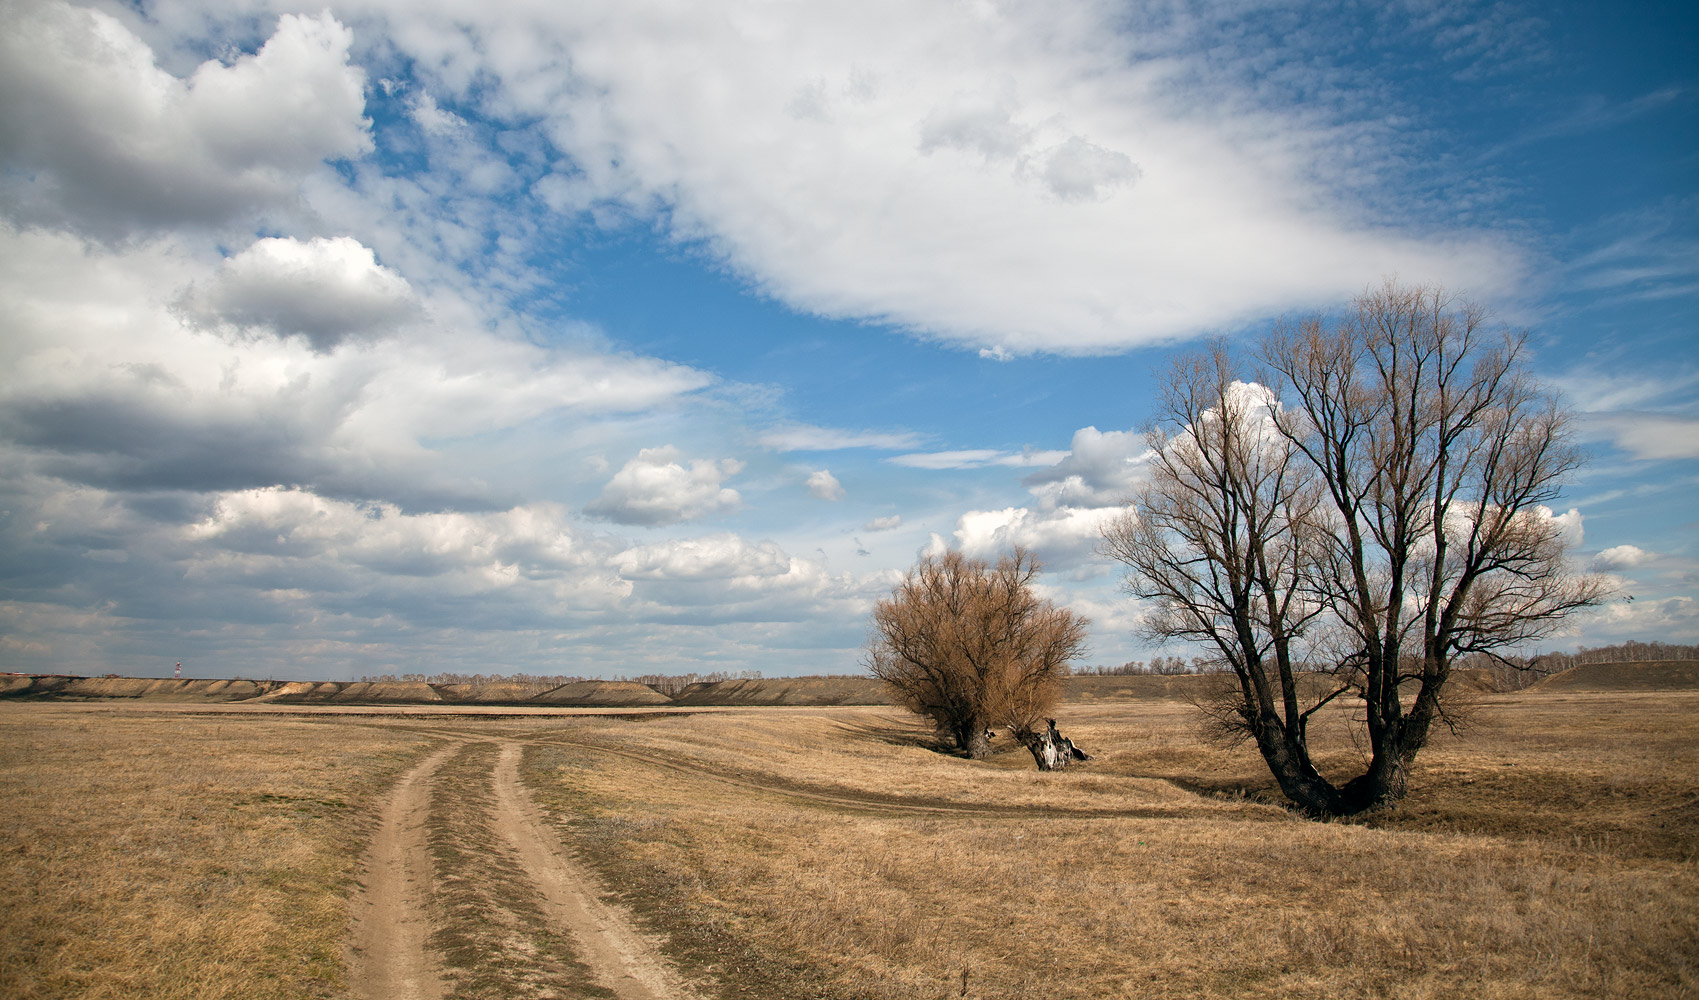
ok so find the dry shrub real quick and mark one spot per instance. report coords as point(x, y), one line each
point(971, 646)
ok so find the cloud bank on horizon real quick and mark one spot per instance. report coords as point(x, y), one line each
point(615, 338)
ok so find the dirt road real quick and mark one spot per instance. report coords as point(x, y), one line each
point(392, 956)
point(389, 957)
point(622, 959)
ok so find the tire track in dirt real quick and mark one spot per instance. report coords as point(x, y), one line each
point(873, 802)
point(389, 957)
point(620, 957)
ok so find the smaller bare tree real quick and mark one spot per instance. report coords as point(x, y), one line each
point(970, 646)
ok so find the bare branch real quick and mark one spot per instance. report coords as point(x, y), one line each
point(1382, 493)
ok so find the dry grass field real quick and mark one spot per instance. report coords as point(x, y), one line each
point(1552, 850)
point(176, 856)
point(1549, 853)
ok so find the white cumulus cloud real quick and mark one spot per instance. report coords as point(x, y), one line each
point(1570, 526)
point(274, 541)
point(822, 485)
point(93, 132)
point(1100, 470)
point(1078, 170)
point(1672, 619)
point(1619, 557)
point(1062, 537)
point(715, 557)
point(655, 489)
point(107, 385)
point(324, 290)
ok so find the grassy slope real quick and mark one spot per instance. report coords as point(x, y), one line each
point(1662, 675)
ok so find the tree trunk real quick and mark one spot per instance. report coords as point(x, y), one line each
point(1288, 759)
point(1053, 751)
point(973, 739)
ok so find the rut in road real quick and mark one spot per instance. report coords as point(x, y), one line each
point(391, 954)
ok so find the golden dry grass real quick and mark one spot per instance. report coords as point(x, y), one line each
point(1550, 852)
point(181, 856)
point(1574, 878)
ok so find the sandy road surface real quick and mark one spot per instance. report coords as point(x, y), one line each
point(391, 956)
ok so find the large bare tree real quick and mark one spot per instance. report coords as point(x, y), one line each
point(970, 646)
point(1370, 505)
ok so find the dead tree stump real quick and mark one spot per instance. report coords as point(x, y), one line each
point(1053, 751)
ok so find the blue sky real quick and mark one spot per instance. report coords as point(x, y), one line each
point(614, 338)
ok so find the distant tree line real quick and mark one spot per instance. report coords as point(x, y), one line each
point(1509, 672)
point(668, 684)
point(1166, 666)
point(1622, 652)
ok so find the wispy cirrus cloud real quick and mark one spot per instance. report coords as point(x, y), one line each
point(1638, 255)
point(977, 458)
point(803, 437)
point(1650, 436)
point(1002, 201)
point(1593, 391)
point(1593, 114)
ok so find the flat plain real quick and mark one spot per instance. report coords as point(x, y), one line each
point(1551, 849)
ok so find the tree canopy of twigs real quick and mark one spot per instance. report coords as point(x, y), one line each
point(970, 646)
point(1347, 519)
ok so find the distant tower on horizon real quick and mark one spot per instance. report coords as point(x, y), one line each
point(178, 673)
